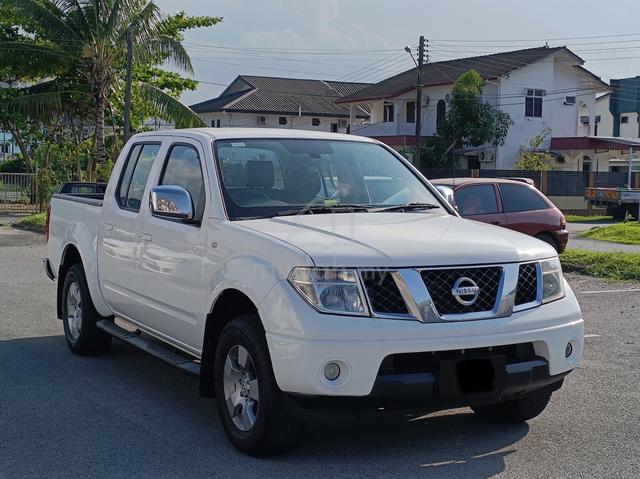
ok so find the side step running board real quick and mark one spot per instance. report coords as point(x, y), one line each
point(152, 346)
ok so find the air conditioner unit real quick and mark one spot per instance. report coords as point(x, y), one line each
point(569, 100)
point(342, 123)
point(262, 120)
point(486, 157)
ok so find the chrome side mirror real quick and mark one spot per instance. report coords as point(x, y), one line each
point(173, 202)
point(447, 194)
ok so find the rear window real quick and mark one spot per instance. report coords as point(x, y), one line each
point(517, 198)
point(135, 174)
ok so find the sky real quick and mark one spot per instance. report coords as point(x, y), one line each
point(360, 40)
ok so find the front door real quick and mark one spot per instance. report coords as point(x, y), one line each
point(172, 252)
point(480, 202)
point(117, 258)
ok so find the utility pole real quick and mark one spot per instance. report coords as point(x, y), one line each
point(421, 54)
point(127, 89)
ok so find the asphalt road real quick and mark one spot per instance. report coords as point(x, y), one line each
point(578, 242)
point(127, 414)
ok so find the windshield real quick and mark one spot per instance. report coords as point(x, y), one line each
point(267, 177)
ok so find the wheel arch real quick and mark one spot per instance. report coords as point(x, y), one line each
point(70, 256)
point(229, 304)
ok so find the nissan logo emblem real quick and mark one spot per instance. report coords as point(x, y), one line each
point(465, 290)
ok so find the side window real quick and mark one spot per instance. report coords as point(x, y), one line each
point(135, 174)
point(182, 168)
point(521, 198)
point(476, 200)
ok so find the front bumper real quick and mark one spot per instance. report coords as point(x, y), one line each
point(302, 341)
point(443, 384)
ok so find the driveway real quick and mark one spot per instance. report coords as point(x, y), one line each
point(127, 414)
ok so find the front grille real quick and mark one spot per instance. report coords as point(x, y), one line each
point(527, 289)
point(384, 295)
point(440, 282)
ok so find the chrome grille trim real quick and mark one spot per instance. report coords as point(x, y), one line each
point(421, 307)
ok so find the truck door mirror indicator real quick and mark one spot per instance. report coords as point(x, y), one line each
point(172, 202)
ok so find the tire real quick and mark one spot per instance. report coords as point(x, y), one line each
point(79, 316)
point(516, 410)
point(271, 431)
point(549, 240)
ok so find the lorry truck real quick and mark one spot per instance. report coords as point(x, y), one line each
point(619, 202)
point(306, 275)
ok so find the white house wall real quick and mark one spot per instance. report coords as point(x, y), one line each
point(250, 120)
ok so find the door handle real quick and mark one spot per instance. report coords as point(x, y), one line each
point(145, 237)
point(108, 226)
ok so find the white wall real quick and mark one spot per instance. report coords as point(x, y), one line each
point(605, 127)
point(557, 76)
point(250, 120)
point(629, 129)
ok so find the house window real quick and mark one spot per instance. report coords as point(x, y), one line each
point(624, 119)
point(388, 112)
point(282, 120)
point(533, 103)
point(411, 112)
point(315, 121)
point(215, 123)
point(334, 128)
point(441, 112)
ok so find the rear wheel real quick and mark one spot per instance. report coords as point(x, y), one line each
point(516, 410)
point(80, 316)
point(547, 238)
point(250, 404)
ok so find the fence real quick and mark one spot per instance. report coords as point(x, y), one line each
point(18, 193)
point(565, 188)
point(552, 183)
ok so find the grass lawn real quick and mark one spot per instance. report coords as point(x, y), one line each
point(624, 233)
point(588, 219)
point(615, 266)
point(33, 222)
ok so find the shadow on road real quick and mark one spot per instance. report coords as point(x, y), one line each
point(128, 415)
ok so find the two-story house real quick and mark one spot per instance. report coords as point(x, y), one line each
point(540, 88)
point(270, 102)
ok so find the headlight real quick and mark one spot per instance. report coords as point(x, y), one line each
point(330, 290)
point(552, 281)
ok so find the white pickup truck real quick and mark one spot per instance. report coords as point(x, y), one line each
point(301, 273)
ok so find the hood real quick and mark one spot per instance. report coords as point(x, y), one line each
point(400, 239)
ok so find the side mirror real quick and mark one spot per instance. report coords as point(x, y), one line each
point(447, 194)
point(173, 202)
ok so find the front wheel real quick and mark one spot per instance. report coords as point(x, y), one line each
point(250, 404)
point(515, 410)
point(80, 316)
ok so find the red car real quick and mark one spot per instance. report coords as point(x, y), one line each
point(513, 204)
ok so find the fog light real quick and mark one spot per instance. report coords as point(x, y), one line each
point(568, 350)
point(331, 371)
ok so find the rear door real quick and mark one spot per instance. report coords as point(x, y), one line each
point(117, 256)
point(479, 202)
point(526, 210)
point(171, 252)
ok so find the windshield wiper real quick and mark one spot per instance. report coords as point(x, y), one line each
point(407, 207)
point(323, 209)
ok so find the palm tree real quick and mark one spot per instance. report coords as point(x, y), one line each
point(83, 42)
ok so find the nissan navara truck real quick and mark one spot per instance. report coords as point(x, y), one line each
point(303, 274)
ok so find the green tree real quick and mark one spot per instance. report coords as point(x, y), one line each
point(469, 120)
point(82, 44)
point(533, 157)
